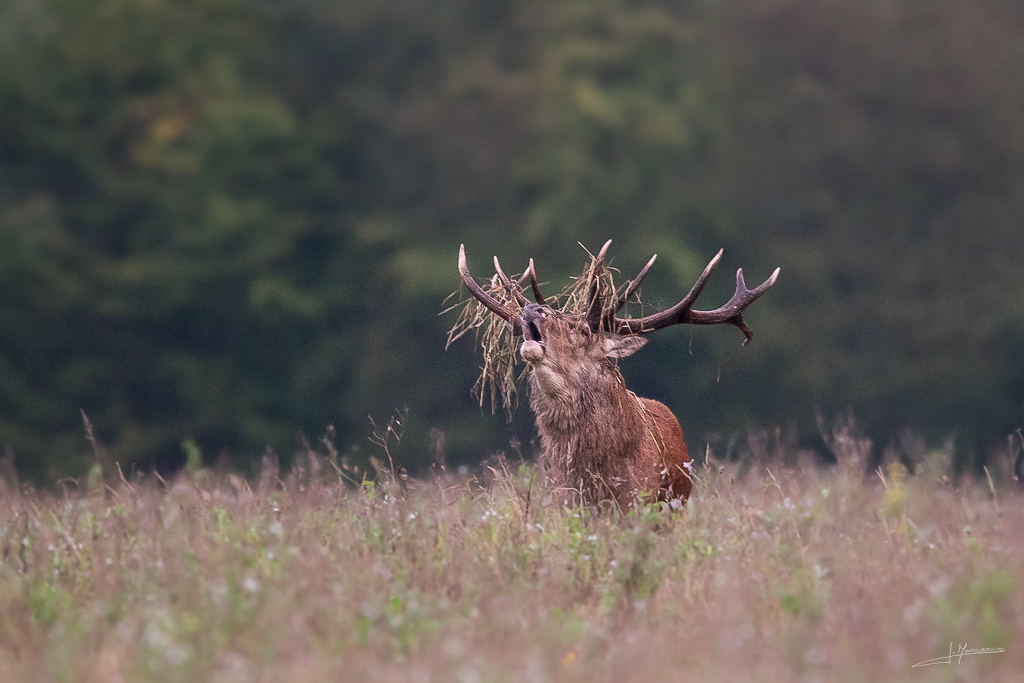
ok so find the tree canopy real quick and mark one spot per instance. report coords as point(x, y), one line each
point(235, 222)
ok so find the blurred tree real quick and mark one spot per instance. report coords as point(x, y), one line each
point(880, 146)
point(174, 261)
point(234, 221)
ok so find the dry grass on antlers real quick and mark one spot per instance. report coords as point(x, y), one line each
point(500, 373)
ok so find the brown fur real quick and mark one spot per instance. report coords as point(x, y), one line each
point(599, 441)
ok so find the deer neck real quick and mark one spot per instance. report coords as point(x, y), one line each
point(589, 410)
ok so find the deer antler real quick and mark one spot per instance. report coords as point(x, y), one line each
point(532, 273)
point(515, 290)
point(492, 304)
point(683, 313)
point(600, 317)
point(634, 284)
point(595, 304)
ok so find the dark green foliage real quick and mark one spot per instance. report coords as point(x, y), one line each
point(234, 222)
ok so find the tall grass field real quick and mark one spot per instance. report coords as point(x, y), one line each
point(774, 571)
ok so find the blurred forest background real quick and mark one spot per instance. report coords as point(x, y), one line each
point(236, 221)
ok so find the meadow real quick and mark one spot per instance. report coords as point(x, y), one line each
point(776, 570)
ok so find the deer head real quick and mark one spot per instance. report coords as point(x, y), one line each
point(566, 354)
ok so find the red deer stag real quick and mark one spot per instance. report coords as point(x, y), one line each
point(599, 441)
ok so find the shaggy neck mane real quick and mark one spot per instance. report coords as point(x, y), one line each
point(588, 435)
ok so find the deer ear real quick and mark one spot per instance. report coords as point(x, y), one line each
point(622, 345)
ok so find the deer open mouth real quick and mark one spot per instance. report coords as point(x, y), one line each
point(532, 349)
point(531, 332)
point(532, 315)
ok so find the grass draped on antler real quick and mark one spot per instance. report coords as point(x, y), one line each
point(499, 343)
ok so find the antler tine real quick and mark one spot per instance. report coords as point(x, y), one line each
point(670, 316)
point(634, 284)
point(515, 288)
point(501, 274)
point(531, 273)
point(596, 305)
point(732, 311)
point(682, 312)
point(492, 304)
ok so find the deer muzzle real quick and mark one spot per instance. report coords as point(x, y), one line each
point(532, 349)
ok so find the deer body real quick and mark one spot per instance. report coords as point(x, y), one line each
point(599, 441)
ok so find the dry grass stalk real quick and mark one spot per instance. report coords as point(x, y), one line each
point(802, 574)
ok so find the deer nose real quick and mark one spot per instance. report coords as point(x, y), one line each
point(532, 312)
